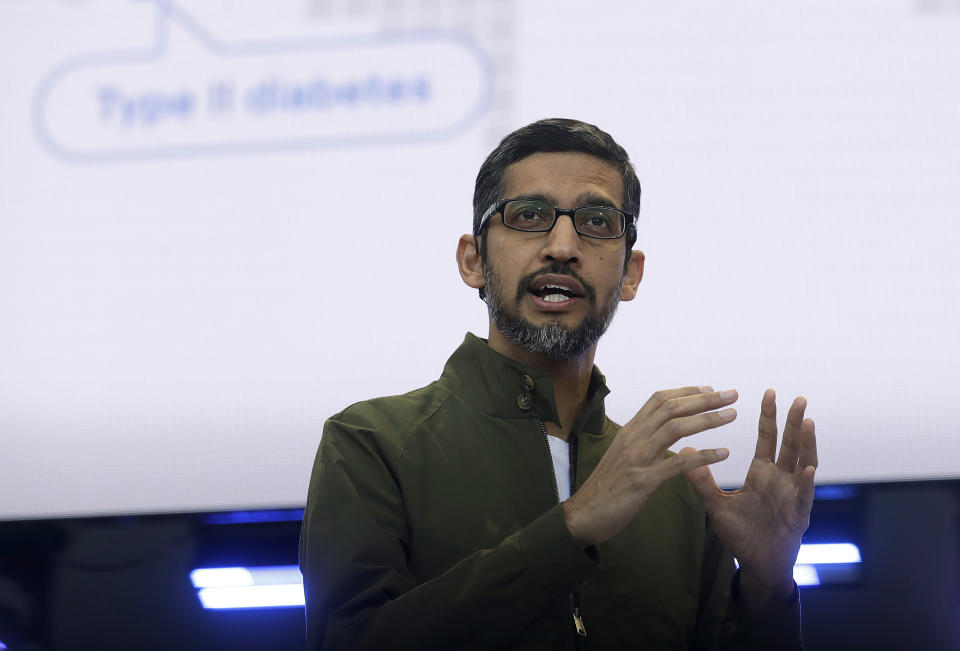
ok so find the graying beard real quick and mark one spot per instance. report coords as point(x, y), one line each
point(552, 339)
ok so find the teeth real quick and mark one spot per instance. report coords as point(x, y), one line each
point(555, 298)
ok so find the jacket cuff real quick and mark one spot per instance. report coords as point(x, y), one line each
point(555, 560)
point(743, 629)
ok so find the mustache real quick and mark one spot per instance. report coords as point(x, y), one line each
point(559, 269)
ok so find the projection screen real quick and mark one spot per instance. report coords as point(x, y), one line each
point(187, 288)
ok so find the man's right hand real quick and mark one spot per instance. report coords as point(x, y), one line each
point(634, 464)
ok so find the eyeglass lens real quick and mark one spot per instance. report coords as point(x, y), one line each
point(591, 221)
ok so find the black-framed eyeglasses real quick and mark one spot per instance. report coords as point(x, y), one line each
point(534, 216)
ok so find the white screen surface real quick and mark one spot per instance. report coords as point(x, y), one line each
point(182, 300)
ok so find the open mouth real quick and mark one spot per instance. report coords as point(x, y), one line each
point(556, 289)
point(554, 293)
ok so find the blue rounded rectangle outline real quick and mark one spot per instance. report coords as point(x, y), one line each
point(167, 11)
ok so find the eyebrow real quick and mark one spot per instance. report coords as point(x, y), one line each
point(585, 199)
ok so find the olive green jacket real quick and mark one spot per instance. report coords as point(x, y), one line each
point(432, 522)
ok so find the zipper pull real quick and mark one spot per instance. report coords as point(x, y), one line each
point(578, 623)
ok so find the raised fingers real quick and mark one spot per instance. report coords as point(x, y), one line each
point(676, 428)
point(808, 444)
point(767, 430)
point(790, 447)
point(689, 405)
point(658, 399)
point(693, 462)
point(805, 493)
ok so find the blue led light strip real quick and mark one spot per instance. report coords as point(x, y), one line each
point(247, 517)
point(281, 586)
point(829, 553)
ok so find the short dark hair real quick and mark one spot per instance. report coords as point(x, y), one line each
point(553, 135)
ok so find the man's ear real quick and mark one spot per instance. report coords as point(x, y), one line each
point(469, 262)
point(632, 275)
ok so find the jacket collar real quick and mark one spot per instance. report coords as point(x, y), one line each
point(497, 385)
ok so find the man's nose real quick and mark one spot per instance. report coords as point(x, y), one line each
point(563, 241)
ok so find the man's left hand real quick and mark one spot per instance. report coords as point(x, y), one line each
point(762, 522)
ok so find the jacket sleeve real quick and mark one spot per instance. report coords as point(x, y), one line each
point(725, 625)
point(360, 593)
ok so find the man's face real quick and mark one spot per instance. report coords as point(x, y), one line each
point(555, 293)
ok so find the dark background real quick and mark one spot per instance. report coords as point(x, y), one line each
point(123, 582)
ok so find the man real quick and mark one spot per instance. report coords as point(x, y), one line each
point(499, 508)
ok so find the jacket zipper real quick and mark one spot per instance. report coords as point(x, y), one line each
point(575, 597)
point(546, 442)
